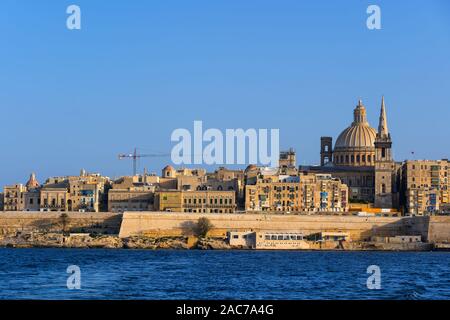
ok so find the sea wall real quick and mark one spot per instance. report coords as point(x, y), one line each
point(92, 222)
point(439, 229)
point(166, 224)
point(359, 228)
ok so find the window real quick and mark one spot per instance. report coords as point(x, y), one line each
point(235, 236)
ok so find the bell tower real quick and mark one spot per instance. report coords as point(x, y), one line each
point(326, 150)
point(384, 164)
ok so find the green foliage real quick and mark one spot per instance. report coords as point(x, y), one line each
point(203, 227)
point(64, 221)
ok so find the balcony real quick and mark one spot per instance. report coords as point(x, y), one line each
point(52, 206)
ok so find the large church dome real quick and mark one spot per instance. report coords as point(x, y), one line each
point(359, 136)
point(355, 146)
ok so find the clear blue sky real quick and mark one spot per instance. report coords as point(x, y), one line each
point(139, 69)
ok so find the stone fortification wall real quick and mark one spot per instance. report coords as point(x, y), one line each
point(359, 228)
point(92, 222)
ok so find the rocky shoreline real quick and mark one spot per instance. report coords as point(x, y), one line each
point(86, 241)
point(59, 240)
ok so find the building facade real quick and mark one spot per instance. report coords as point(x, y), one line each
point(304, 192)
point(425, 186)
point(196, 201)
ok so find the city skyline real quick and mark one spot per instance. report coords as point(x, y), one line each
point(132, 75)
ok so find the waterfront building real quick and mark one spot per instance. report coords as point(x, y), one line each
point(87, 192)
point(322, 192)
point(14, 197)
point(397, 239)
point(425, 186)
point(84, 193)
point(267, 240)
point(132, 193)
point(229, 180)
point(196, 201)
point(20, 197)
point(54, 197)
point(32, 200)
point(272, 192)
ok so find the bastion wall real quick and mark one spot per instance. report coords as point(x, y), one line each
point(359, 228)
point(433, 229)
point(92, 222)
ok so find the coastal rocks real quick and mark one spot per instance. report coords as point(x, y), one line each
point(86, 240)
point(96, 241)
point(142, 242)
point(59, 240)
point(212, 244)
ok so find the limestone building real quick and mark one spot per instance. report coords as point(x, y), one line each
point(362, 159)
point(287, 162)
point(132, 193)
point(195, 201)
point(54, 197)
point(425, 186)
point(14, 197)
point(272, 192)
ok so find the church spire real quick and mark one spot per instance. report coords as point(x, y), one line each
point(382, 126)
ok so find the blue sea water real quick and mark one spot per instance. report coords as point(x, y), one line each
point(172, 274)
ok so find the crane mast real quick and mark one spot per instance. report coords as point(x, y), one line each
point(135, 155)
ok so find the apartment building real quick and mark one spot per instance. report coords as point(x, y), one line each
point(306, 192)
point(425, 186)
point(195, 201)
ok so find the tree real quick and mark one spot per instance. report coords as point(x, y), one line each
point(203, 226)
point(64, 220)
